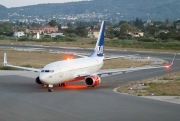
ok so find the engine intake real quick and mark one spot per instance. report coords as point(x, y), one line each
point(92, 81)
point(38, 81)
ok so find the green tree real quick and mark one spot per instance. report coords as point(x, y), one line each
point(152, 30)
point(122, 22)
point(138, 23)
point(167, 21)
point(69, 25)
point(126, 27)
point(81, 31)
point(163, 36)
point(53, 23)
point(6, 28)
point(59, 27)
point(111, 33)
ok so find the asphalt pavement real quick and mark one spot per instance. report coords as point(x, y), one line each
point(21, 99)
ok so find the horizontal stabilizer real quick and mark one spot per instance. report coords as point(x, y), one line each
point(110, 58)
point(82, 56)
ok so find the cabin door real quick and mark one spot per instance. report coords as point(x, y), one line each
point(61, 74)
point(60, 71)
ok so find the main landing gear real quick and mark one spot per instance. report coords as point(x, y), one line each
point(50, 88)
point(63, 84)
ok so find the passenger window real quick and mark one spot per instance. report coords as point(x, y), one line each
point(47, 71)
point(52, 71)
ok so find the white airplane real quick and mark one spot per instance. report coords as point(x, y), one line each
point(85, 68)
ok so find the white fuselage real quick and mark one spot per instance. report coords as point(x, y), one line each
point(64, 71)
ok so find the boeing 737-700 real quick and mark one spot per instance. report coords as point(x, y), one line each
point(85, 68)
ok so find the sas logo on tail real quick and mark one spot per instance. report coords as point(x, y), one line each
point(100, 50)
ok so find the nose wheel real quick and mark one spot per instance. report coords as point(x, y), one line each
point(50, 88)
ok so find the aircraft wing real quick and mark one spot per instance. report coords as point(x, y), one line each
point(126, 70)
point(110, 58)
point(111, 71)
point(19, 67)
point(82, 56)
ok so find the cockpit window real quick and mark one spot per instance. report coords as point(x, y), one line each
point(48, 71)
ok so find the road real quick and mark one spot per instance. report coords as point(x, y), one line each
point(21, 99)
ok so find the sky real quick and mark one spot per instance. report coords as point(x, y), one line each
point(18, 3)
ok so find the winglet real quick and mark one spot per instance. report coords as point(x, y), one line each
point(173, 59)
point(171, 62)
point(5, 60)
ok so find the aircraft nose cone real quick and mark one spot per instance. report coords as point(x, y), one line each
point(43, 78)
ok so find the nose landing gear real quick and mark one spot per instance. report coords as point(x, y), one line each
point(50, 88)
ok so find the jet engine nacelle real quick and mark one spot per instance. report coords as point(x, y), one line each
point(92, 81)
point(38, 81)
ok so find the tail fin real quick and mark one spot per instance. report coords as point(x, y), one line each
point(99, 48)
point(5, 60)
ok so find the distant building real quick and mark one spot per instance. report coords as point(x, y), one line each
point(117, 29)
point(27, 30)
point(169, 25)
point(37, 30)
point(49, 29)
point(163, 31)
point(148, 23)
point(178, 26)
point(136, 33)
point(54, 34)
point(36, 35)
point(93, 34)
point(98, 26)
point(18, 34)
point(64, 27)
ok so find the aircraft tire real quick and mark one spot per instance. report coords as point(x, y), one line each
point(50, 89)
point(62, 84)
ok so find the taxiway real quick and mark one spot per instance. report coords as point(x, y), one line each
point(22, 100)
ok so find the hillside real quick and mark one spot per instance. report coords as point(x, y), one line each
point(110, 9)
point(3, 11)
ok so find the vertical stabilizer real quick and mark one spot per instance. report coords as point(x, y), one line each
point(99, 48)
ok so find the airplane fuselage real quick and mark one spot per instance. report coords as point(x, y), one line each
point(64, 71)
